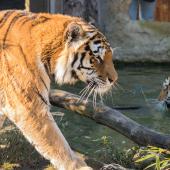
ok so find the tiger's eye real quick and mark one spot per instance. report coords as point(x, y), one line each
point(92, 60)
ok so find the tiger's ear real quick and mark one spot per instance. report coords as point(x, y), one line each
point(73, 33)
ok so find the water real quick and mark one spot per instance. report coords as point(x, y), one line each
point(139, 86)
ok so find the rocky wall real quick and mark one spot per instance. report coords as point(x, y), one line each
point(133, 41)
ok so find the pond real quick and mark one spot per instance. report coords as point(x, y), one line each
point(138, 87)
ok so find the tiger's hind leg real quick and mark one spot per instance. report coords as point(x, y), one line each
point(2, 119)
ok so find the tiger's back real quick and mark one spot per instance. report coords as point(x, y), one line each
point(21, 47)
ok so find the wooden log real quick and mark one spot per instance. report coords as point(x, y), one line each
point(110, 118)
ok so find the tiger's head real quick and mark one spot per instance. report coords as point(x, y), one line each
point(86, 56)
point(165, 92)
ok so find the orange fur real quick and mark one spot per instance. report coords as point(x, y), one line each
point(27, 41)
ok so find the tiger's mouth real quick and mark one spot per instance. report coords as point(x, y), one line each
point(99, 86)
point(95, 88)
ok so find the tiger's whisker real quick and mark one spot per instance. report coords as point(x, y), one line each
point(119, 86)
point(94, 99)
point(101, 97)
point(111, 94)
point(85, 88)
point(85, 92)
point(89, 94)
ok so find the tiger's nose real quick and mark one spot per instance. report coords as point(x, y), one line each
point(113, 79)
point(110, 80)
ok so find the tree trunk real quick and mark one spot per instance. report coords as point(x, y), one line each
point(82, 8)
point(27, 5)
point(111, 118)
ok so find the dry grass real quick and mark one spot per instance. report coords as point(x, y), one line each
point(16, 153)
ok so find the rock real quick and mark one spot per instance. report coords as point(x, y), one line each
point(133, 41)
point(82, 8)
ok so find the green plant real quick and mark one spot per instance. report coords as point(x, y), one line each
point(108, 152)
point(9, 166)
point(153, 158)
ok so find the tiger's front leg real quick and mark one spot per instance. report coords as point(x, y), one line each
point(38, 126)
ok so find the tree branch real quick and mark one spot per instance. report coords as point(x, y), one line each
point(111, 118)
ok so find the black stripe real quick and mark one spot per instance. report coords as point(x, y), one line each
point(35, 20)
point(94, 36)
point(92, 71)
point(9, 76)
point(10, 25)
point(25, 59)
point(87, 48)
point(75, 59)
point(97, 42)
point(17, 86)
point(28, 18)
point(5, 17)
point(42, 80)
point(81, 62)
point(24, 56)
point(83, 67)
point(96, 51)
point(48, 60)
point(90, 53)
point(15, 83)
point(98, 48)
point(41, 97)
point(82, 58)
point(40, 20)
point(47, 69)
point(74, 75)
point(100, 60)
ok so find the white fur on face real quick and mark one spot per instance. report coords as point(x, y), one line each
point(98, 50)
point(60, 70)
point(63, 66)
point(63, 72)
point(103, 88)
point(166, 83)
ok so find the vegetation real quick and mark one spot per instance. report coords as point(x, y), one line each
point(152, 158)
point(108, 152)
point(9, 166)
point(17, 153)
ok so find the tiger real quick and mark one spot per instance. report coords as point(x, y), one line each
point(35, 49)
point(164, 95)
